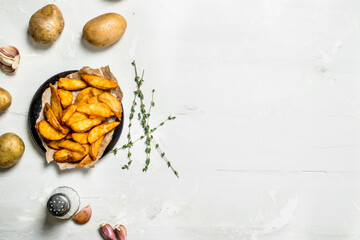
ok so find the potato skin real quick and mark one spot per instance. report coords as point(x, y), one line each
point(46, 25)
point(12, 148)
point(105, 29)
point(5, 99)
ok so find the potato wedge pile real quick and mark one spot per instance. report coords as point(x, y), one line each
point(76, 125)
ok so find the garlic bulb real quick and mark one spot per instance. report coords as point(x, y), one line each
point(9, 59)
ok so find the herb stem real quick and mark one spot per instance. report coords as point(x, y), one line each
point(134, 64)
point(157, 146)
point(126, 166)
point(146, 117)
point(142, 136)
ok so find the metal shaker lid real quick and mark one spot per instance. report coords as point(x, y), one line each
point(58, 204)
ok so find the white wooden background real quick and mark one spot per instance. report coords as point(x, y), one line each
point(267, 135)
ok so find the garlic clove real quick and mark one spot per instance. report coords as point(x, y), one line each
point(84, 215)
point(121, 232)
point(107, 231)
point(7, 69)
point(9, 59)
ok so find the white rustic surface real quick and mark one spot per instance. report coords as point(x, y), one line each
point(267, 135)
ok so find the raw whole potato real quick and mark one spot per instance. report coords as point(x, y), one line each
point(5, 99)
point(105, 29)
point(12, 148)
point(46, 25)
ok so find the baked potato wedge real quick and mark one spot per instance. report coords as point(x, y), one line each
point(94, 148)
point(80, 137)
point(92, 117)
point(63, 156)
point(80, 155)
point(48, 131)
point(87, 148)
point(77, 116)
point(54, 144)
point(98, 82)
point(96, 91)
point(55, 103)
point(101, 130)
point(68, 136)
point(86, 160)
point(112, 102)
point(85, 124)
point(67, 156)
point(85, 99)
point(69, 112)
point(72, 146)
point(83, 93)
point(95, 109)
point(94, 99)
point(66, 97)
point(71, 84)
point(50, 116)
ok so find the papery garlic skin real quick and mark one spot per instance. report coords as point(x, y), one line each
point(9, 59)
point(121, 232)
point(107, 231)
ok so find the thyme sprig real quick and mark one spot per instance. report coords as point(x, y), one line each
point(131, 116)
point(129, 145)
point(137, 93)
point(144, 118)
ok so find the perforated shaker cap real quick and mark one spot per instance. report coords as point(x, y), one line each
point(58, 205)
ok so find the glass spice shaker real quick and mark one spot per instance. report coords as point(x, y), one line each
point(63, 202)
